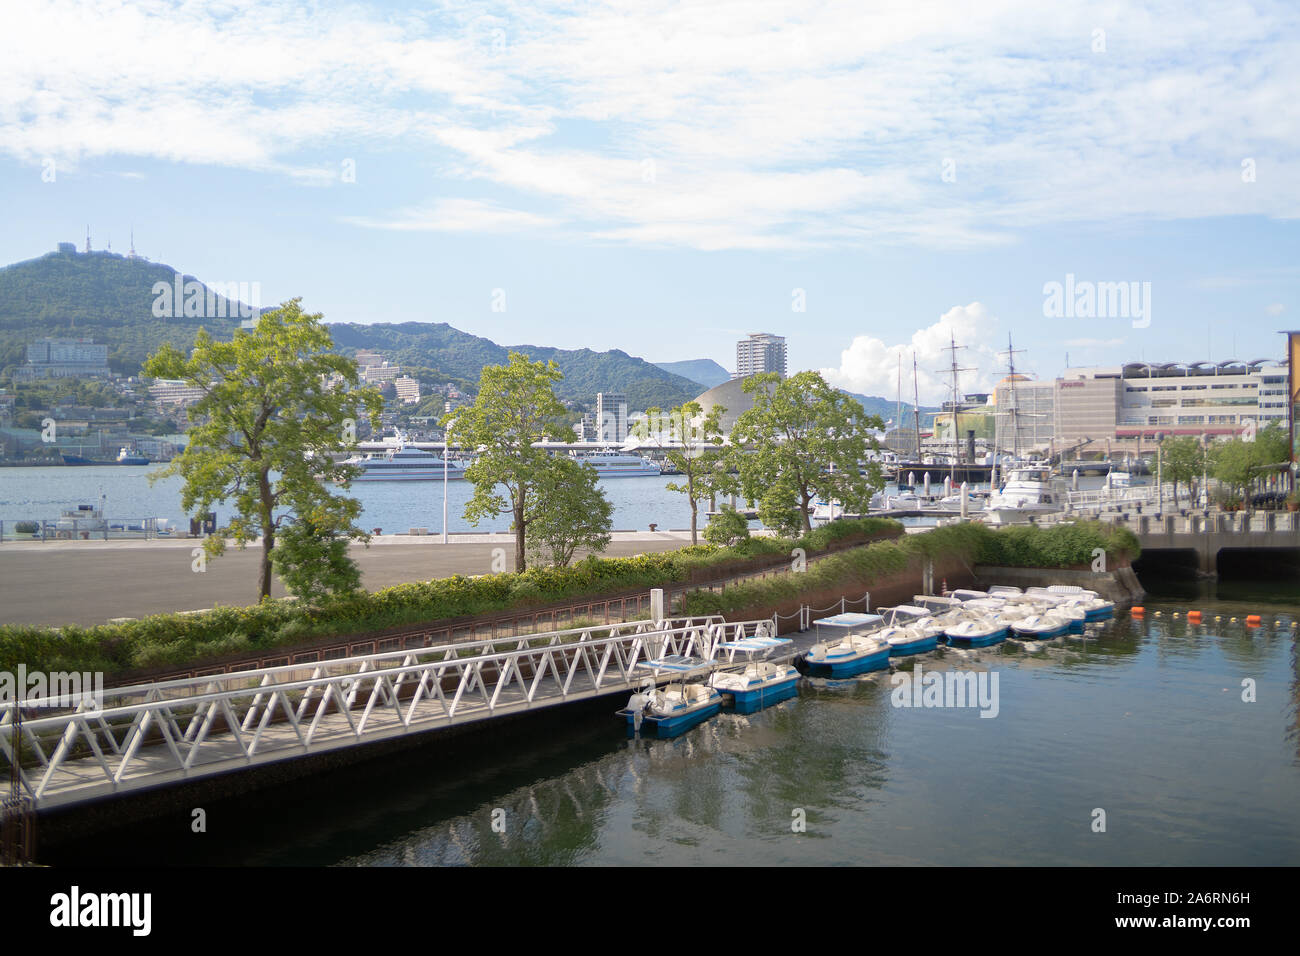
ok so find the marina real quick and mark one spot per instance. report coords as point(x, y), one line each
point(874, 780)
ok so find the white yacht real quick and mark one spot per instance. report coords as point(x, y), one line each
point(1029, 492)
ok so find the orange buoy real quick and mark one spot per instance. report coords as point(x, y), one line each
point(1252, 620)
point(1194, 617)
point(1137, 610)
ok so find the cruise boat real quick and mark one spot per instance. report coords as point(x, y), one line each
point(612, 464)
point(1029, 492)
point(406, 464)
point(671, 710)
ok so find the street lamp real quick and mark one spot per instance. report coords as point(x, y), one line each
point(446, 449)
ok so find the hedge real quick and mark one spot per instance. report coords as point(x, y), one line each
point(1061, 546)
point(176, 640)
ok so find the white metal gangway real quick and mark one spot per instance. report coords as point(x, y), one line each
point(151, 735)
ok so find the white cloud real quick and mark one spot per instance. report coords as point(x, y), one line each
point(1277, 308)
point(1092, 343)
point(457, 215)
point(870, 366)
point(772, 124)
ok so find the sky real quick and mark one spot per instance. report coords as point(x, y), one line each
point(868, 179)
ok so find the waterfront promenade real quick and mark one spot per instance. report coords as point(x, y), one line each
point(90, 582)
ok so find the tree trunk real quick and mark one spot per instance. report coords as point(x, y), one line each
point(268, 533)
point(803, 512)
point(521, 563)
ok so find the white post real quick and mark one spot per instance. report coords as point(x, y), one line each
point(657, 605)
point(926, 484)
point(1075, 479)
point(963, 501)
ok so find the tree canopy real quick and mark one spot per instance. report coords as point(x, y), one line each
point(515, 407)
point(804, 440)
point(263, 435)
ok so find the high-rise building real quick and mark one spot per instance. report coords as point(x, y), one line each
point(611, 416)
point(760, 352)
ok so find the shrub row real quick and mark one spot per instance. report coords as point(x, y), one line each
point(176, 640)
point(1062, 546)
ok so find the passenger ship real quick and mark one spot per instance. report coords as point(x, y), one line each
point(407, 464)
point(611, 464)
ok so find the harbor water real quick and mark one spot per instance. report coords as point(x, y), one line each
point(1144, 721)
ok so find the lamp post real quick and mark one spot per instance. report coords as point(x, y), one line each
point(446, 450)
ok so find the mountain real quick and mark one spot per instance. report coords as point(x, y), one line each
point(110, 297)
point(460, 354)
point(705, 371)
point(887, 408)
point(134, 306)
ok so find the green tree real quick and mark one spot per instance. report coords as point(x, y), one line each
point(263, 435)
point(1184, 462)
point(515, 407)
point(692, 443)
point(803, 440)
point(575, 513)
point(727, 528)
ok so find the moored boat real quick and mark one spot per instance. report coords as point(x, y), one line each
point(671, 710)
point(757, 685)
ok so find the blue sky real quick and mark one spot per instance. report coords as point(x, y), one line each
point(664, 177)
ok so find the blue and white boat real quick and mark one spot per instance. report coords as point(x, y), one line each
point(670, 711)
point(906, 630)
point(757, 685)
point(976, 631)
point(1041, 627)
point(855, 654)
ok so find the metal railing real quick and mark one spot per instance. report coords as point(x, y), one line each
point(149, 735)
point(82, 529)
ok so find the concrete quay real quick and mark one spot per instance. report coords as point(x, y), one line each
point(57, 583)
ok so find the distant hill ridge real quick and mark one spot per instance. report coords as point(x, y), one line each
point(114, 298)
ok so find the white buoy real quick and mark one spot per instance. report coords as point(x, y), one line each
point(911, 478)
point(927, 484)
point(963, 501)
point(1075, 478)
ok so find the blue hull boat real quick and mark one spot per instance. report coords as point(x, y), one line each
point(843, 665)
point(986, 641)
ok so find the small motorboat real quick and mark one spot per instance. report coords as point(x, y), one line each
point(757, 685)
point(909, 639)
point(855, 654)
point(977, 630)
point(1042, 627)
point(672, 710)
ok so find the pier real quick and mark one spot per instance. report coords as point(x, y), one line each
point(156, 735)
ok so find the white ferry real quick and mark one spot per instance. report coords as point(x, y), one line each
point(1029, 492)
point(612, 464)
point(407, 464)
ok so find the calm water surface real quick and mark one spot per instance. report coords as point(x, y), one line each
point(1144, 720)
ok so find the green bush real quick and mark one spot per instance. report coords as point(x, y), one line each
point(727, 528)
point(174, 640)
point(27, 527)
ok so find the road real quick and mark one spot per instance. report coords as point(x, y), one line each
point(90, 582)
